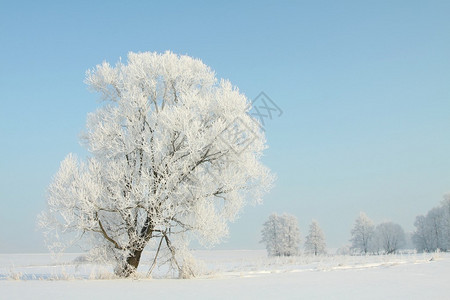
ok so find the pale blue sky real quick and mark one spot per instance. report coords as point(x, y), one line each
point(364, 87)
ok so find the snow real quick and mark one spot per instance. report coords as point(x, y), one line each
point(234, 274)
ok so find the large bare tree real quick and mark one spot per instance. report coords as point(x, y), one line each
point(173, 151)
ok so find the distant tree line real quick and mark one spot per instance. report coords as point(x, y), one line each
point(385, 238)
point(281, 234)
point(432, 233)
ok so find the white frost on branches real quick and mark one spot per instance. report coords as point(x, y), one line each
point(315, 240)
point(390, 237)
point(433, 230)
point(363, 234)
point(169, 155)
point(281, 234)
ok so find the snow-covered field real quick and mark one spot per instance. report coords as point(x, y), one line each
point(233, 275)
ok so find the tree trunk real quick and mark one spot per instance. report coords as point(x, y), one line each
point(134, 258)
point(131, 264)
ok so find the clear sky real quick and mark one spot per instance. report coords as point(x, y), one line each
point(364, 89)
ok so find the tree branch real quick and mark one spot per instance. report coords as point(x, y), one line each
point(105, 235)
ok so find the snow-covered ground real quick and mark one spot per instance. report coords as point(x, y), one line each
point(233, 275)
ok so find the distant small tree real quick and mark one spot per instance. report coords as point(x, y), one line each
point(315, 240)
point(421, 237)
point(436, 228)
point(344, 250)
point(446, 221)
point(390, 237)
point(281, 235)
point(362, 233)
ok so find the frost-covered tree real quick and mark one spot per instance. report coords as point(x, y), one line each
point(362, 234)
point(435, 222)
point(446, 222)
point(172, 152)
point(344, 250)
point(315, 240)
point(433, 230)
point(390, 237)
point(281, 235)
point(271, 235)
point(422, 237)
